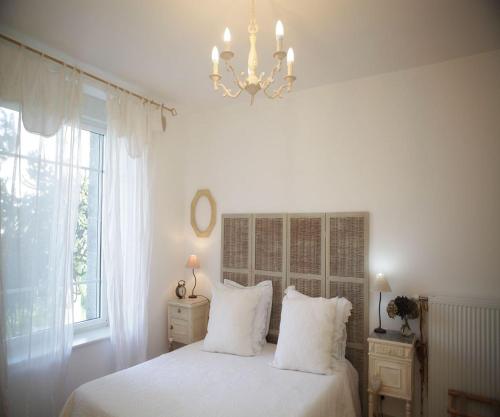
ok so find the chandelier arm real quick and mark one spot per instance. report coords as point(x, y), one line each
point(276, 69)
point(278, 93)
point(227, 91)
point(269, 80)
point(236, 79)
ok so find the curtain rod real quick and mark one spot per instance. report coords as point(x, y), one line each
point(88, 74)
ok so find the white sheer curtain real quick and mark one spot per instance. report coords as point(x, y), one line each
point(127, 223)
point(40, 189)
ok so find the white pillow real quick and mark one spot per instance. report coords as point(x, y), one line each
point(231, 322)
point(263, 316)
point(344, 308)
point(305, 342)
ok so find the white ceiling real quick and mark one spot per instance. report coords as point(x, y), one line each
point(164, 46)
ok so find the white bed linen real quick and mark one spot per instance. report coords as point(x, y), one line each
point(191, 383)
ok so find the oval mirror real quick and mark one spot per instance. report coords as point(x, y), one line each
point(203, 213)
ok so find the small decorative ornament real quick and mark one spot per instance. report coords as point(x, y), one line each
point(180, 291)
point(406, 308)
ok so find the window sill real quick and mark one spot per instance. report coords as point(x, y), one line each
point(91, 336)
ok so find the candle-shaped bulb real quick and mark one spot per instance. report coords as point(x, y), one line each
point(290, 58)
point(227, 35)
point(280, 30)
point(227, 40)
point(215, 60)
point(215, 55)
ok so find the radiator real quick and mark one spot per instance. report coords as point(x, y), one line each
point(464, 350)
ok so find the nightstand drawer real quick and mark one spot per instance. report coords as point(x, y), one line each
point(395, 375)
point(393, 351)
point(178, 312)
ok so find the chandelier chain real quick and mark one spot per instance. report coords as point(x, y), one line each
point(252, 27)
point(253, 19)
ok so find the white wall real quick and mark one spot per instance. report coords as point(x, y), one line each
point(88, 362)
point(168, 232)
point(418, 149)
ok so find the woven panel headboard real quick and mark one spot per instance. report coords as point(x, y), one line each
point(347, 276)
point(322, 254)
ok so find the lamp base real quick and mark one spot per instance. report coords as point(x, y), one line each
point(195, 296)
point(380, 330)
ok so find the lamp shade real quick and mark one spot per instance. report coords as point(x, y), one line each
point(193, 262)
point(381, 284)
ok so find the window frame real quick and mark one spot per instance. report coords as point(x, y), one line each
point(97, 127)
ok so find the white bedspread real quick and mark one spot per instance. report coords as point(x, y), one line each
point(190, 383)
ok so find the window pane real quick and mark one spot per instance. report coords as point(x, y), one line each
point(86, 299)
point(86, 253)
point(90, 144)
point(27, 203)
point(86, 260)
point(17, 315)
point(9, 120)
point(83, 153)
point(26, 214)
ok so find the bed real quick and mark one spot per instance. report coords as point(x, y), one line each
point(190, 382)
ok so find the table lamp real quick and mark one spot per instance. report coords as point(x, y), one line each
point(381, 285)
point(193, 263)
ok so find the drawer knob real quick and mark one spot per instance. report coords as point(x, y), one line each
point(179, 310)
point(171, 327)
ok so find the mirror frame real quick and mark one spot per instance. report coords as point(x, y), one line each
point(213, 213)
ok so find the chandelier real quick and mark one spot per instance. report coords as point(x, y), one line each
point(253, 83)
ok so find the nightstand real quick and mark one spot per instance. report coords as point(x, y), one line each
point(391, 358)
point(187, 320)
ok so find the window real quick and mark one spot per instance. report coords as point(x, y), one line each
point(35, 168)
point(88, 288)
